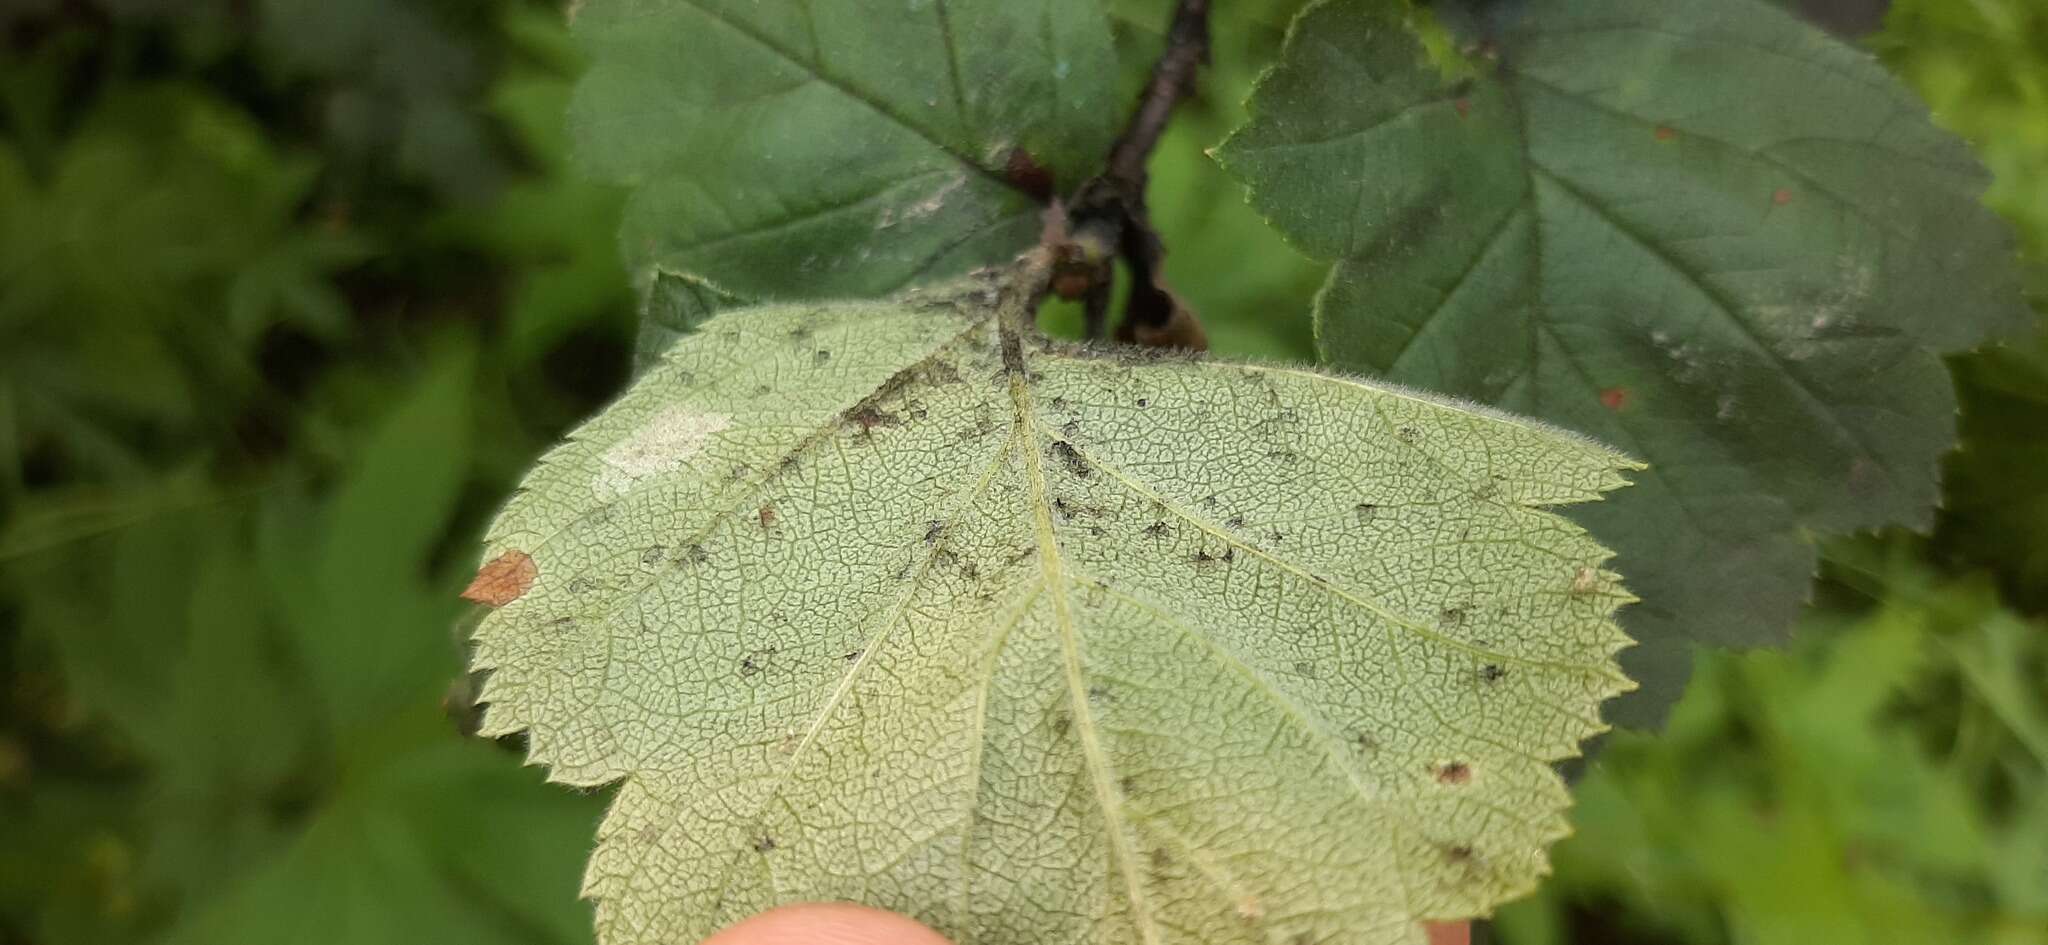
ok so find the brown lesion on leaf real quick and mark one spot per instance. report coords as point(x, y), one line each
point(503, 579)
point(940, 374)
point(867, 417)
point(1070, 458)
point(1451, 773)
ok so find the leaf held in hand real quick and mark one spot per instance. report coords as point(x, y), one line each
point(1064, 645)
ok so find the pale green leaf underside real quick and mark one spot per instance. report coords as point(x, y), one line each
point(836, 147)
point(1133, 650)
point(1706, 232)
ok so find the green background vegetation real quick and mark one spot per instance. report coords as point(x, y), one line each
point(291, 291)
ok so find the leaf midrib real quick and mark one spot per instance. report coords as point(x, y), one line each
point(1107, 796)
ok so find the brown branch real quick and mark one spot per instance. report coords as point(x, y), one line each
point(1108, 213)
point(1173, 77)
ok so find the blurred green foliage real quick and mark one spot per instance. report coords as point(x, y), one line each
point(290, 292)
point(1885, 780)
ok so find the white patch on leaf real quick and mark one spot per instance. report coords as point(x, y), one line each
point(661, 445)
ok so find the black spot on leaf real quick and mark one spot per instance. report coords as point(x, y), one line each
point(1070, 458)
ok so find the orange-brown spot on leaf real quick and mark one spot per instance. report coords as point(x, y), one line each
point(1449, 933)
point(503, 580)
point(1454, 773)
point(1781, 196)
point(1666, 133)
point(1614, 398)
point(1464, 106)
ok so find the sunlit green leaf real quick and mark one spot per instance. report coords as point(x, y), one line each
point(1706, 232)
point(1070, 645)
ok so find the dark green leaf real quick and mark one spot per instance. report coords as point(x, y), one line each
point(833, 148)
point(1706, 233)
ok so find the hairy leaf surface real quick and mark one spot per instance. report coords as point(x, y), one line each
point(861, 147)
point(676, 305)
point(1704, 231)
point(1064, 645)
